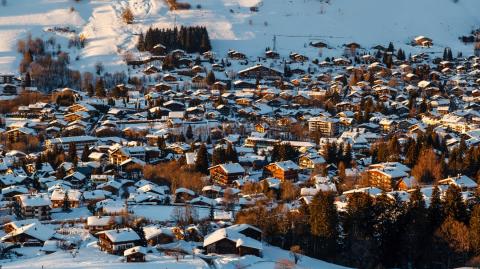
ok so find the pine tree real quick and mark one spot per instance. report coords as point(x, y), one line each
point(218, 156)
point(416, 225)
point(231, 154)
point(475, 230)
point(453, 204)
point(100, 88)
point(189, 133)
point(358, 229)
point(60, 173)
point(66, 203)
point(210, 79)
point(28, 80)
point(161, 143)
point(141, 42)
point(90, 90)
point(435, 210)
point(86, 152)
point(201, 161)
point(72, 152)
point(324, 225)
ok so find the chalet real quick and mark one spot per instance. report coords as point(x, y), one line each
point(311, 161)
point(240, 239)
point(118, 240)
point(226, 174)
point(241, 84)
point(118, 155)
point(260, 71)
point(157, 235)
point(233, 54)
point(272, 54)
point(33, 206)
point(97, 224)
point(174, 105)
point(10, 192)
point(386, 175)
point(19, 134)
point(286, 170)
point(33, 234)
point(198, 82)
point(135, 254)
point(422, 41)
point(59, 196)
point(159, 49)
point(464, 182)
point(261, 127)
point(183, 195)
point(212, 191)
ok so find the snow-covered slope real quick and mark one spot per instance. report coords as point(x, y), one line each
point(231, 24)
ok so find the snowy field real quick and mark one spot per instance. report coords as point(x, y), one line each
point(91, 257)
point(163, 213)
point(231, 24)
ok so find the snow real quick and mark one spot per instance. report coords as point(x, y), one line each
point(121, 235)
point(271, 255)
point(163, 213)
point(92, 258)
point(231, 24)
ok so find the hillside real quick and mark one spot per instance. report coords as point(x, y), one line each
point(231, 24)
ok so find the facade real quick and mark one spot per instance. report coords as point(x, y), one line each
point(324, 126)
point(226, 174)
point(117, 241)
point(286, 170)
point(36, 206)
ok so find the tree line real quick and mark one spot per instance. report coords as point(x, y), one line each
point(377, 232)
point(189, 38)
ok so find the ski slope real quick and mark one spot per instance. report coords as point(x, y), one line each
point(231, 24)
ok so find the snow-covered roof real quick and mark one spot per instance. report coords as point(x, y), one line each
point(121, 235)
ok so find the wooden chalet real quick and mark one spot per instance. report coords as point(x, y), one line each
point(118, 240)
point(286, 170)
point(226, 174)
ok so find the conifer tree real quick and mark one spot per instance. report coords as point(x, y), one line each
point(218, 156)
point(189, 133)
point(72, 152)
point(475, 230)
point(86, 152)
point(416, 227)
point(231, 154)
point(453, 204)
point(66, 202)
point(435, 210)
point(210, 79)
point(324, 225)
point(100, 88)
point(201, 161)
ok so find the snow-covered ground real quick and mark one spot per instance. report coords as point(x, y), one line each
point(164, 212)
point(90, 257)
point(231, 24)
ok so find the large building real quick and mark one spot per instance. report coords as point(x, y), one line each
point(79, 141)
point(324, 126)
point(386, 175)
point(36, 206)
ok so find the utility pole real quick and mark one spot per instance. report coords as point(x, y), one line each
point(274, 43)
